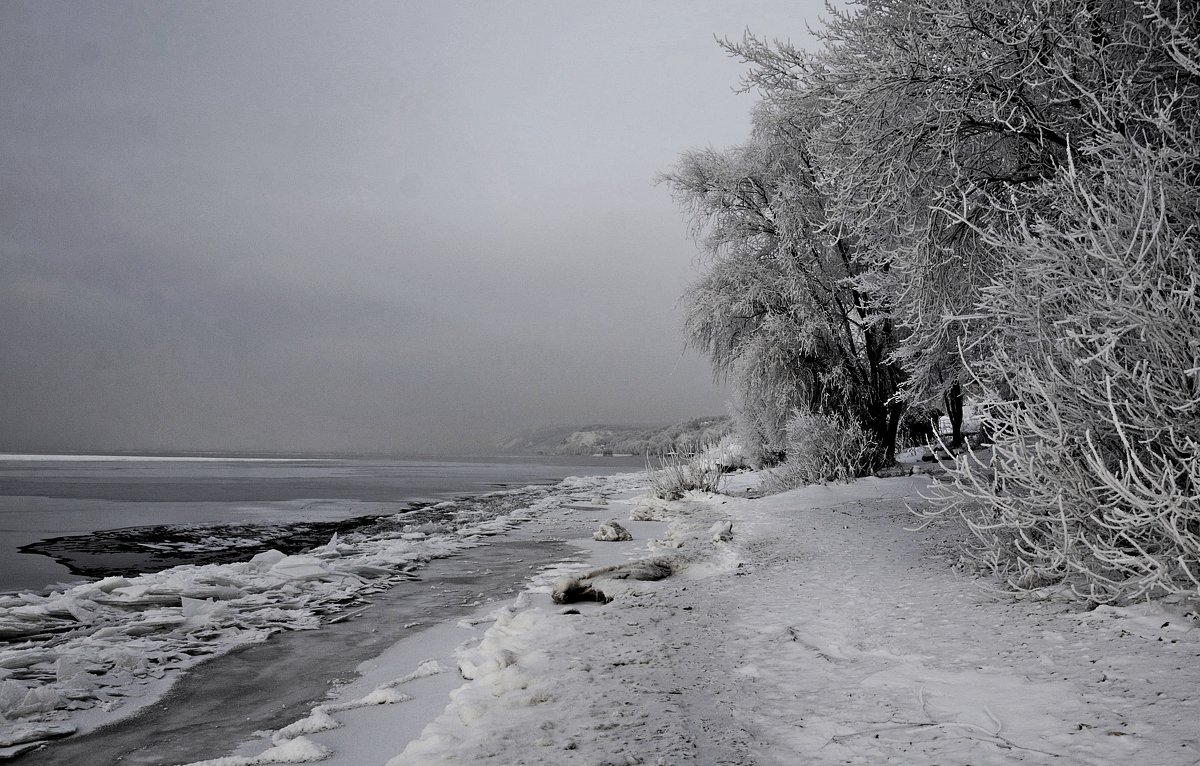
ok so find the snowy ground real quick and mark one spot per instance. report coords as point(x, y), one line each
point(824, 631)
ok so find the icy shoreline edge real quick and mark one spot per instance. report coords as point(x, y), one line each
point(98, 652)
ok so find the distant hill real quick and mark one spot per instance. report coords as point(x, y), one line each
point(617, 439)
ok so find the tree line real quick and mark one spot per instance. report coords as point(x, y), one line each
point(991, 198)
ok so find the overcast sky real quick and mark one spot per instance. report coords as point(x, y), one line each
point(397, 226)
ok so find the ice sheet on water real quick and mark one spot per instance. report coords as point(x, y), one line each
point(98, 646)
point(142, 549)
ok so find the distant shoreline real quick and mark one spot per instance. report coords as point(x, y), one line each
point(260, 457)
point(84, 457)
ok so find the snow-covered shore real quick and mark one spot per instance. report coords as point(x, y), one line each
point(824, 631)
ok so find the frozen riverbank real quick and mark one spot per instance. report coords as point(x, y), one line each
point(824, 631)
point(98, 652)
point(266, 685)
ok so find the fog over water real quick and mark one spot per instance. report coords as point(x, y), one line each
point(399, 226)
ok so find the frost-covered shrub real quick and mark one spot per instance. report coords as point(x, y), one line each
point(1095, 476)
point(677, 474)
point(728, 454)
point(760, 419)
point(822, 448)
point(918, 427)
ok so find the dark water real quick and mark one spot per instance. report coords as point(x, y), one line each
point(131, 551)
point(62, 519)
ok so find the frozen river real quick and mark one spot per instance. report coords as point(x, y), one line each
point(205, 510)
point(188, 565)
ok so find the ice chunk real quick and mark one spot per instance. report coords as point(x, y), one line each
point(381, 696)
point(329, 549)
point(11, 694)
point(302, 568)
point(424, 670)
point(201, 614)
point(109, 584)
point(267, 559)
point(69, 666)
point(611, 532)
point(318, 720)
point(41, 699)
point(34, 732)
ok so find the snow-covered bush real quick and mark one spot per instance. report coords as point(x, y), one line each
point(760, 424)
point(822, 448)
point(1095, 477)
point(677, 474)
point(729, 454)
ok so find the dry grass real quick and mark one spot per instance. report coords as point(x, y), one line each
point(679, 473)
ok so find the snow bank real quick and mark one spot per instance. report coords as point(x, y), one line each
point(298, 750)
point(499, 670)
point(513, 678)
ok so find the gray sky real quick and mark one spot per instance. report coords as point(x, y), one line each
point(367, 226)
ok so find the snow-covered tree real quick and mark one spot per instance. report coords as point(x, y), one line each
point(778, 311)
point(936, 108)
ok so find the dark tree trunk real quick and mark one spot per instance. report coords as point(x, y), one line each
point(954, 410)
point(884, 425)
point(896, 410)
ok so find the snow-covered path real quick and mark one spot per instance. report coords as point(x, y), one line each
point(826, 632)
point(859, 643)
